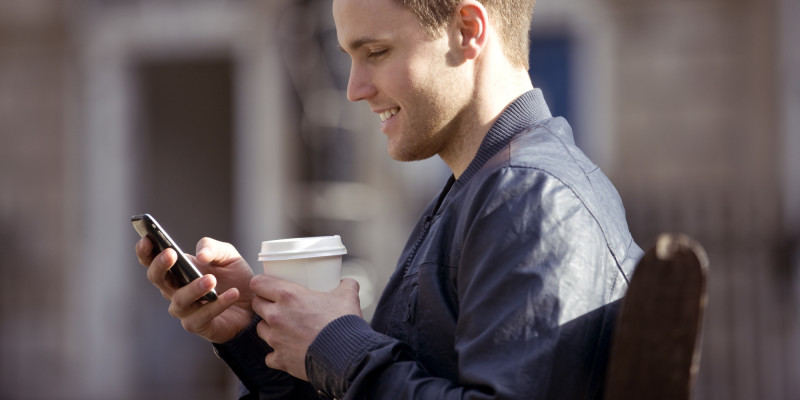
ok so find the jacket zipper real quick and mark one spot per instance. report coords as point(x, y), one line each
point(427, 226)
point(411, 255)
point(414, 250)
point(418, 243)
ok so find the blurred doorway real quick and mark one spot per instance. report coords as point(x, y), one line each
point(185, 143)
point(182, 116)
point(184, 176)
point(551, 71)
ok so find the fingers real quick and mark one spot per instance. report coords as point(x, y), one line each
point(289, 350)
point(185, 299)
point(144, 251)
point(212, 251)
point(348, 293)
point(275, 289)
point(265, 333)
point(278, 290)
point(158, 270)
point(266, 310)
point(292, 317)
point(201, 321)
point(196, 317)
point(347, 287)
point(157, 265)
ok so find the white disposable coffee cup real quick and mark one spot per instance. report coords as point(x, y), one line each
point(314, 262)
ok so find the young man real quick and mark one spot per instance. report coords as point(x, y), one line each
point(507, 286)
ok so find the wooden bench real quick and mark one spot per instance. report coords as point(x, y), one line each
point(655, 352)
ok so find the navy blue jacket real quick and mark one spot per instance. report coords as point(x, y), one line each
point(506, 289)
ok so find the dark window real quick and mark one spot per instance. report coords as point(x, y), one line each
point(551, 70)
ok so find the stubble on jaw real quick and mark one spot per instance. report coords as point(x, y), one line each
point(440, 126)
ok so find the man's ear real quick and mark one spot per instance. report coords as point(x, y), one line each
point(472, 21)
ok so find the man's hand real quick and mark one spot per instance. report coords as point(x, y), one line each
point(293, 316)
point(217, 321)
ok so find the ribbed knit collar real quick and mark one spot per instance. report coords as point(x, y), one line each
point(524, 112)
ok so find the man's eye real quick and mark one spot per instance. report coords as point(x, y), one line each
point(377, 53)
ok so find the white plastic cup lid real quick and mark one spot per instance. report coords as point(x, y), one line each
point(291, 249)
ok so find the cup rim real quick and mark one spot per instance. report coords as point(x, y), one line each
point(304, 247)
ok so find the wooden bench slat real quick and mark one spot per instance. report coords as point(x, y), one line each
point(655, 352)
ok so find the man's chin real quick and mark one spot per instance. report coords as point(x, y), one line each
point(406, 155)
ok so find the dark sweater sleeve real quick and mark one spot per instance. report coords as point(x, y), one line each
point(245, 355)
point(346, 349)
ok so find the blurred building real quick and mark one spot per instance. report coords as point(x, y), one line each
point(227, 118)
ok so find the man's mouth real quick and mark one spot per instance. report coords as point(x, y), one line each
point(388, 114)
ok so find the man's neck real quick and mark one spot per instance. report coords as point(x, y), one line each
point(491, 99)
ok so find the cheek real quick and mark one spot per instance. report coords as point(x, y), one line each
point(398, 82)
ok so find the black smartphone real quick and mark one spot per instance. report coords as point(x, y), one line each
point(183, 270)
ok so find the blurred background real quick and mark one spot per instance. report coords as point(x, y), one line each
point(227, 118)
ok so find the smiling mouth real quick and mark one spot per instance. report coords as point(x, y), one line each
point(388, 114)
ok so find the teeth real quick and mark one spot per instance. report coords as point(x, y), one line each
point(388, 114)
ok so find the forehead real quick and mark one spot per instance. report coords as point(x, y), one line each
point(358, 21)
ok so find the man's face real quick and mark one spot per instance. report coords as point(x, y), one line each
point(408, 78)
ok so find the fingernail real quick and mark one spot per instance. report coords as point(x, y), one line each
point(208, 282)
point(254, 281)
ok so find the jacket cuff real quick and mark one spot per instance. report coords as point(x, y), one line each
point(334, 352)
point(245, 355)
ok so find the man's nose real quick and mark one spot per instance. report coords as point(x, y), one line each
point(360, 86)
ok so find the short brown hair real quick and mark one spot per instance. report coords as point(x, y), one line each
point(513, 16)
